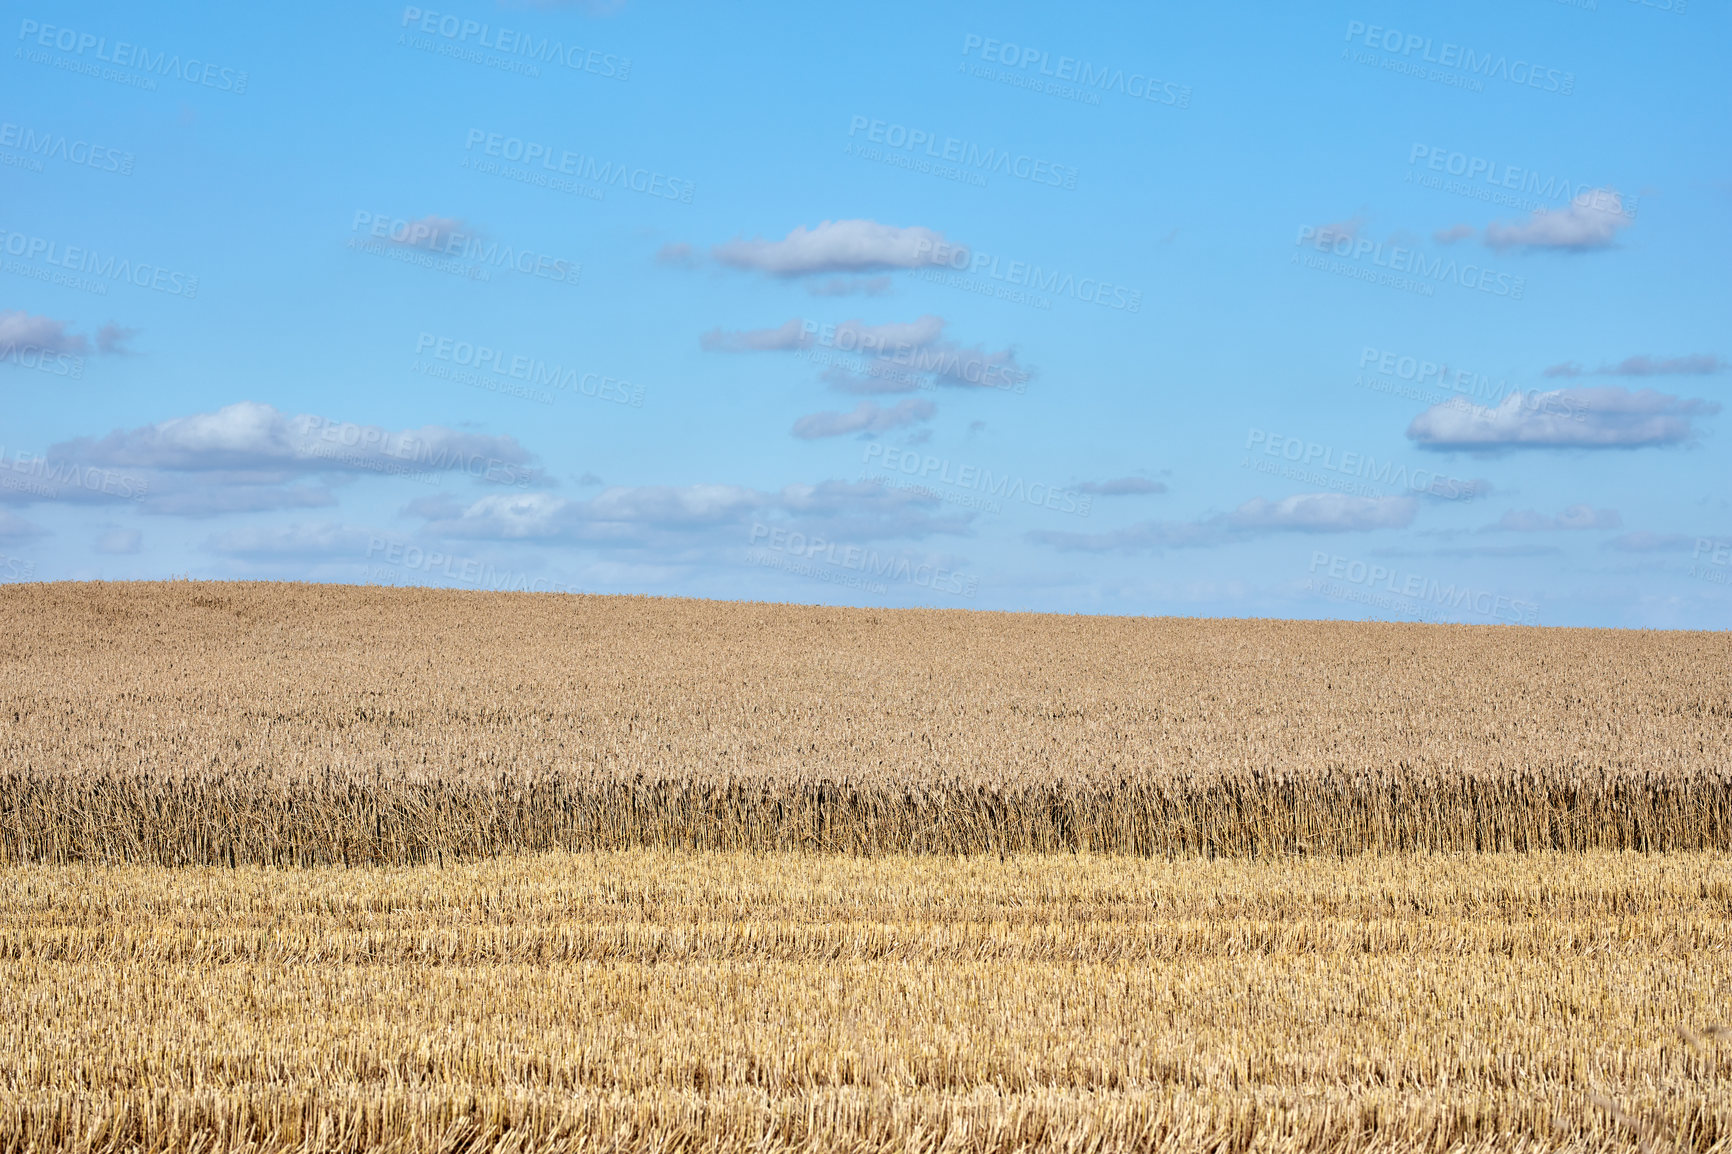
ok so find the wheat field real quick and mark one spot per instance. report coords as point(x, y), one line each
point(346, 869)
point(226, 724)
point(649, 1000)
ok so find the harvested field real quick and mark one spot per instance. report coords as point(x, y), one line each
point(226, 724)
point(670, 1000)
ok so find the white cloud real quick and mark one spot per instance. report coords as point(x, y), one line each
point(693, 516)
point(250, 435)
point(318, 539)
point(847, 286)
point(670, 505)
point(678, 254)
point(1643, 541)
point(246, 434)
point(211, 495)
point(1122, 487)
point(866, 418)
point(898, 357)
point(22, 332)
point(1325, 513)
point(113, 339)
point(1691, 364)
point(1607, 417)
point(250, 458)
point(31, 479)
point(842, 246)
point(1303, 513)
point(1574, 517)
point(1474, 551)
point(432, 233)
point(851, 336)
point(791, 335)
point(924, 331)
point(1592, 220)
point(1146, 537)
point(615, 513)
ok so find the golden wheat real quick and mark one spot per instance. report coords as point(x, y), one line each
point(660, 1000)
point(198, 723)
point(826, 901)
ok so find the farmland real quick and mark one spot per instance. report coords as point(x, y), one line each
point(661, 999)
point(223, 724)
point(320, 868)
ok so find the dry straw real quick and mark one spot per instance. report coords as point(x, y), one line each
point(656, 1001)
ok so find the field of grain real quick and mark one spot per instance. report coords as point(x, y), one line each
point(189, 723)
point(656, 1000)
point(336, 869)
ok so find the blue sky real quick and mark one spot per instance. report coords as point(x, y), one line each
point(1370, 310)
